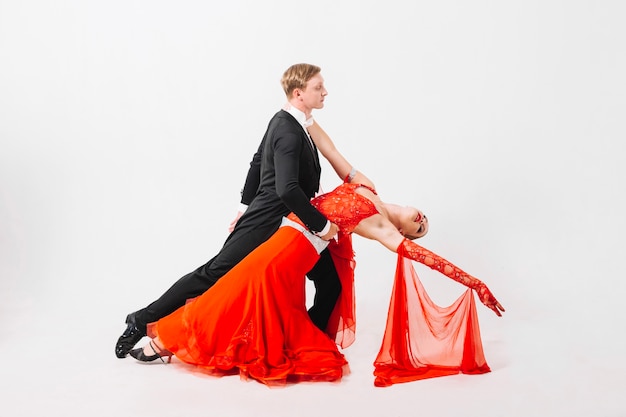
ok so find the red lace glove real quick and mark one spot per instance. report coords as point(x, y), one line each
point(412, 250)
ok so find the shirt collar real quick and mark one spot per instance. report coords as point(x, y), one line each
point(299, 116)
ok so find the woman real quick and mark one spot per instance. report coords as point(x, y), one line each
point(254, 320)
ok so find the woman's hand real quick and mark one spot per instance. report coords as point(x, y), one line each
point(487, 298)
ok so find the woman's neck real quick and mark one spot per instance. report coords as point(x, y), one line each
point(392, 213)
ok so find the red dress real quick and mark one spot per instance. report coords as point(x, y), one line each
point(254, 320)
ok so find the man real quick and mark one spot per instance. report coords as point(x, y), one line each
point(284, 175)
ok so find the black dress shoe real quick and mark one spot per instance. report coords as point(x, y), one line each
point(129, 338)
point(158, 354)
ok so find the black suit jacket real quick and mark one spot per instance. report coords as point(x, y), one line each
point(284, 175)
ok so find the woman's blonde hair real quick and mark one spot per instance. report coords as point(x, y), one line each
point(297, 76)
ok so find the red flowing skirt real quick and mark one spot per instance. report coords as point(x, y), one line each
point(423, 340)
point(254, 321)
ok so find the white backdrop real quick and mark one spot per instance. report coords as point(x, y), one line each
point(126, 128)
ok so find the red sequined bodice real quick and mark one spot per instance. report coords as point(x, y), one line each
point(344, 207)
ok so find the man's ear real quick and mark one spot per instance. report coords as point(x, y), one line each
point(296, 93)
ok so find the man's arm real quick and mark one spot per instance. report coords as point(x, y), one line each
point(287, 149)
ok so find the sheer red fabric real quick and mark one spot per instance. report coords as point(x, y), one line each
point(342, 323)
point(423, 340)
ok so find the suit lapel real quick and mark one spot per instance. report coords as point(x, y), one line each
point(313, 148)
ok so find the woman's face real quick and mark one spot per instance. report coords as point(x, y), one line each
point(413, 223)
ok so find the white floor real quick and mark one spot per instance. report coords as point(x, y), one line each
point(57, 348)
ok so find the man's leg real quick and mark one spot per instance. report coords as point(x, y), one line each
point(327, 289)
point(189, 286)
point(238, 245)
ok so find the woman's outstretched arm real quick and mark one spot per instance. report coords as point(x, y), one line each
point(412, 250)
point(379, 228)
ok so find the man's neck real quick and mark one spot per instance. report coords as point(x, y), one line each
point(298, 105)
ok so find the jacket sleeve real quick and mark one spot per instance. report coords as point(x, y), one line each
point(287, 149)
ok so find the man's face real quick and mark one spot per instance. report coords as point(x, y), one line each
point(312, 97)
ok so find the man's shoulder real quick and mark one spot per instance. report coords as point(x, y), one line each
point(284, 122)
point(284, 117)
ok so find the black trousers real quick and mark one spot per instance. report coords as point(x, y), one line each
point(238, 245)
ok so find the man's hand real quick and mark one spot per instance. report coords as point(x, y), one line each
point(232, 224)
point(331, 233)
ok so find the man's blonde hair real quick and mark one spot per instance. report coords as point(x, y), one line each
point(297, 76)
